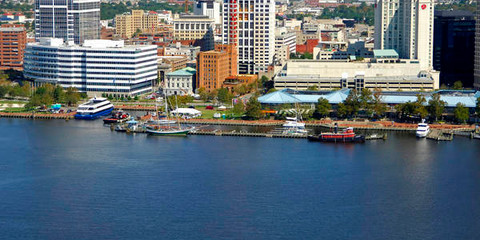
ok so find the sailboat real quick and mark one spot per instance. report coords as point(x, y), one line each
point(166, 128)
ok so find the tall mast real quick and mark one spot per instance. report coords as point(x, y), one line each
point(176, 105)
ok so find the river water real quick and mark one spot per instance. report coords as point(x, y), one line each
point(79, 180)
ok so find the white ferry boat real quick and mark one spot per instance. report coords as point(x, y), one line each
point(422, 130)
point(94, 108)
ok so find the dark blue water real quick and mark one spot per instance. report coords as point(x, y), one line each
point(79, 180)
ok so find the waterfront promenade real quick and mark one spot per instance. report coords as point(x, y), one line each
point(366, 125)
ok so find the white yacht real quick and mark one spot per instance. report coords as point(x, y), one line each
point(422, 130)
point(94, 108)
point(292, 122)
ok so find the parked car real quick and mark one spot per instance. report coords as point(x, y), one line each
point(209, 107)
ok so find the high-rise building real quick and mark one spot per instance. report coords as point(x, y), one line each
point(231, 50)
point(213, 67)
point(250, 25)
point(407, 27)
point(194, 27)
point(210, 8)
point(285, 44)
point(96, 67)
point(70, 20)
point(127, 24)
point(13, 38)
point(476, 70)
point(454, 46)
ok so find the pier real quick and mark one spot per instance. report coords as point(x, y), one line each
point(66, 116)
point(440, 135)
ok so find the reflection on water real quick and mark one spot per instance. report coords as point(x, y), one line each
point(65, 179)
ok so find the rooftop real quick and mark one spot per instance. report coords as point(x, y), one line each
point(451, 97)
point(188, 71)
point(90, 44)
point(385, 53)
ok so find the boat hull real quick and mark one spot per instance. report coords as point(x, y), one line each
point(95, 115)
point(168, 133)
point(421, 134)
point(349, 139)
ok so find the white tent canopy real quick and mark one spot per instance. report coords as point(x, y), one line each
point(187, 112)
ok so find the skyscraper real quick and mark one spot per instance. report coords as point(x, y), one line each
point(476, 70)
point(454, 46)
point(407, 27)
point(70, 20)
point(209, 8)
point(250, 26)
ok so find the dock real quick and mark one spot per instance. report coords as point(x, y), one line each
point(65, 116)
point(440, 135)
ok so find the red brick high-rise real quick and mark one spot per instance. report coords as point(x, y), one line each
point(13, 38)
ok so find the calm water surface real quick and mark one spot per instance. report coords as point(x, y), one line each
point(79, 180)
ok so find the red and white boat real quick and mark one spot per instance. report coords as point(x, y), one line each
point(347, 135)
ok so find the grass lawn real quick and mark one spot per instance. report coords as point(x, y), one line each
point(12, 102)
point(15, 110)
point(208, 114)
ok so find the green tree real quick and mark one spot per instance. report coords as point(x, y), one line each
point(436, 106)
point(240, 89)
point(419, 107)
point(342, 110)
point(26, 89)
point(458, 85)
point(366, 100)
point(312, 88)
point(3, 91)
point(461, 113)
point(379, 108)
point(322, 108)
point(353, 103)
point(59, 94)
point(238, 108)
point(271, 90)
point(203, 94)
point(224, 96)
point(253, 109)
point(72, 96)
point(264, 79)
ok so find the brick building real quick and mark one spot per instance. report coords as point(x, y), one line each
point(232, 81)
point(213, 67)
point(13, 38)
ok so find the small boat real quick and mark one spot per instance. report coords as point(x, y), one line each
point(347, 135)
point(422, 129)
point(168, 130)
point(117, 117)
point(94, 108)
